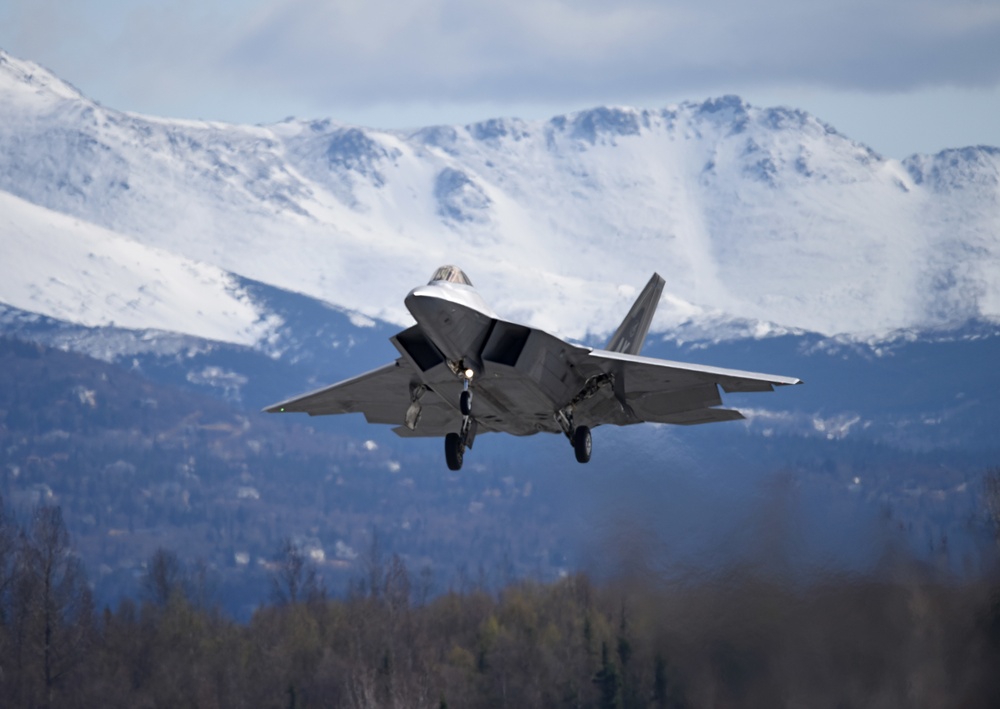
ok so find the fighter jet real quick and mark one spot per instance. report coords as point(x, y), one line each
point(463, 370)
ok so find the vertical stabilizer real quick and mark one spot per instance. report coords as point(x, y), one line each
point(630, 335)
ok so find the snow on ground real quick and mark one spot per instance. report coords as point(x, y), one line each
point(70, 270)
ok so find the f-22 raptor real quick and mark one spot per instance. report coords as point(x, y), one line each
point(463, 370)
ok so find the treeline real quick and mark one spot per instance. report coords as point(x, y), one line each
point(899, 638)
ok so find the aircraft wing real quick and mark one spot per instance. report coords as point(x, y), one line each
point(383, 396)
point(663, 391)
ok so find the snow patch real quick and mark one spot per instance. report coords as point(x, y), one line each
point(67, 269)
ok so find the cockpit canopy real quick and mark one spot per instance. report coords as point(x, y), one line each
point(452, 274)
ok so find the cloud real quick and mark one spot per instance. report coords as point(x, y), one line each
point(408, 62)
point(514, 50)
point(138, 54)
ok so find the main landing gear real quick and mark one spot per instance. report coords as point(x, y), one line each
point(582, 444)
point(456, 443)
point(579, 436)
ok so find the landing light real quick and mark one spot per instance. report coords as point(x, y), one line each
point(469, 373)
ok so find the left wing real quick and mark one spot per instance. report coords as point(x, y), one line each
point(383, 395)
point(663, 391)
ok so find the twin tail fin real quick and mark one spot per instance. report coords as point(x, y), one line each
point(631, 334)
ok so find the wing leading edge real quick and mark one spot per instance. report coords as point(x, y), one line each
point(388, 386)
point(383, 395)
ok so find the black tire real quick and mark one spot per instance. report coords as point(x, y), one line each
point(465, 403)
point(454, 451)
point(582, 444)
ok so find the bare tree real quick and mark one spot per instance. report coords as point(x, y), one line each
point(991, 500)
point(8, 549)
point(52, 606)
point(164, 578)
point(396, 584)
point(289, 575)
point(295, 578)
point(374, 566)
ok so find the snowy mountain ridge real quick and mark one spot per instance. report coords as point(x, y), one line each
point(84, 274)
point(761, 220)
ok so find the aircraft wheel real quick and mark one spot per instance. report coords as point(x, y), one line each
point(465, 403)
point(582, 444)
point(454, 451)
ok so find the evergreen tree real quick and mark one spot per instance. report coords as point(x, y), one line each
point(608, 681)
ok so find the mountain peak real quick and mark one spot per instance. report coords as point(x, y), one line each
point(30, 78)
point(729, 103)
point(957, 169)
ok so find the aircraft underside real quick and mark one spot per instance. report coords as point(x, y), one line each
point(463, 371)
point(513, 381)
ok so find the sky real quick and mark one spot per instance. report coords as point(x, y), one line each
point(902, 76)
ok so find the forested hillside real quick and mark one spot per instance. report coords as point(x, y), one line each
point(136, 465)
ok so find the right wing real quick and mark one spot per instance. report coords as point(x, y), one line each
point(383, 395)
point(662, 391)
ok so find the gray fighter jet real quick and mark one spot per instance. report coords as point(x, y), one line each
point(463, 370)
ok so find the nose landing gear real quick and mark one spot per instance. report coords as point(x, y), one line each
point(454, 451)
point(456, 443)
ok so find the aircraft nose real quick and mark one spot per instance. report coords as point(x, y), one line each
point(421, 303)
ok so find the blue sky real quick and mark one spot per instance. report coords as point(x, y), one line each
point(902, 76)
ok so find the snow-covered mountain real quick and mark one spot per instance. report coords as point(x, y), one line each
point(74, 271)
point(761, 220)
